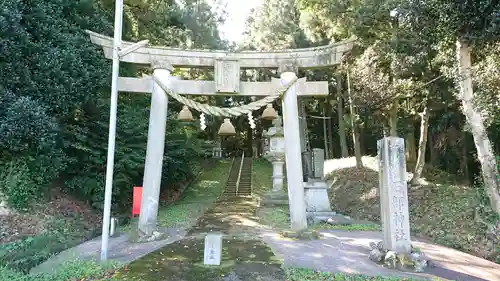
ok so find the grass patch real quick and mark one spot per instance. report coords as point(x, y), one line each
point(276, 217)
point(62, 233)
point(348, 227)
point(262, 177)
point(301, 274)
point(72, 270)
point(197, 198)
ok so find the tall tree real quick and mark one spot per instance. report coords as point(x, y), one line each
point(340, 114)
point(468, 24)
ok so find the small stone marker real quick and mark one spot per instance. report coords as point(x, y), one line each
point(394, 195)
point(213, 249)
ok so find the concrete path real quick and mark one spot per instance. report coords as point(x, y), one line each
point(347, 252)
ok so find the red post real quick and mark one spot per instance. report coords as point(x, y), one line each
point(136, 203)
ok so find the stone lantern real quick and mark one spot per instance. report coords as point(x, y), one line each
point(276, 153)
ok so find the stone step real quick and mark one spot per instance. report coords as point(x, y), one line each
point(279, 195)
point(273, 202)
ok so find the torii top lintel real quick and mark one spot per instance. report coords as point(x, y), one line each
point(302, 58)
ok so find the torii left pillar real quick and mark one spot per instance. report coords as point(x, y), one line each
point(154, 153)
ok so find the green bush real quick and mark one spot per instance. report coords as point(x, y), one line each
point(50, 71)
point(87, 150)
point(27, 253)
point(16, 184)
point(71, 270)
point(31, 159)
point(61, 233)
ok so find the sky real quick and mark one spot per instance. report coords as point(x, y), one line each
point(238, 11)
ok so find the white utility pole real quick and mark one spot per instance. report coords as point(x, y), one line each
point(117, 40)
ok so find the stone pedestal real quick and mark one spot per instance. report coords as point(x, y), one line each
point(317, 203)
point(275, 198)
point(394, 195)
point(278, 175)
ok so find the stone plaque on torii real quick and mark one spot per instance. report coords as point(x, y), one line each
point(227, 67)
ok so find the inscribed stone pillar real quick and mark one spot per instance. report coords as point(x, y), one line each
point(293, 159)
point(154, 154)
point(318, 163)
point(394, 195)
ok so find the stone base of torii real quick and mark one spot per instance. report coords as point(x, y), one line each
point(315, 188)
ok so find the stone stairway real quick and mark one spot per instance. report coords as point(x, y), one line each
point(245, 185)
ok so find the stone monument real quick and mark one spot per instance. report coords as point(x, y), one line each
point(315, 189)
point(394, 195)
point(213, 249)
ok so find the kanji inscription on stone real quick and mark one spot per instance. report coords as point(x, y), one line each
point(213, 249)
point(227, 75)
point(394, 195)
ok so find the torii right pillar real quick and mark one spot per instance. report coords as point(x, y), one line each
point(293, 158)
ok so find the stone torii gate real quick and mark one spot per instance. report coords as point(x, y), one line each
point(227, 67)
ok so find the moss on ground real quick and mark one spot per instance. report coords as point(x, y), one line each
point(442, 210)
point(245, 260)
